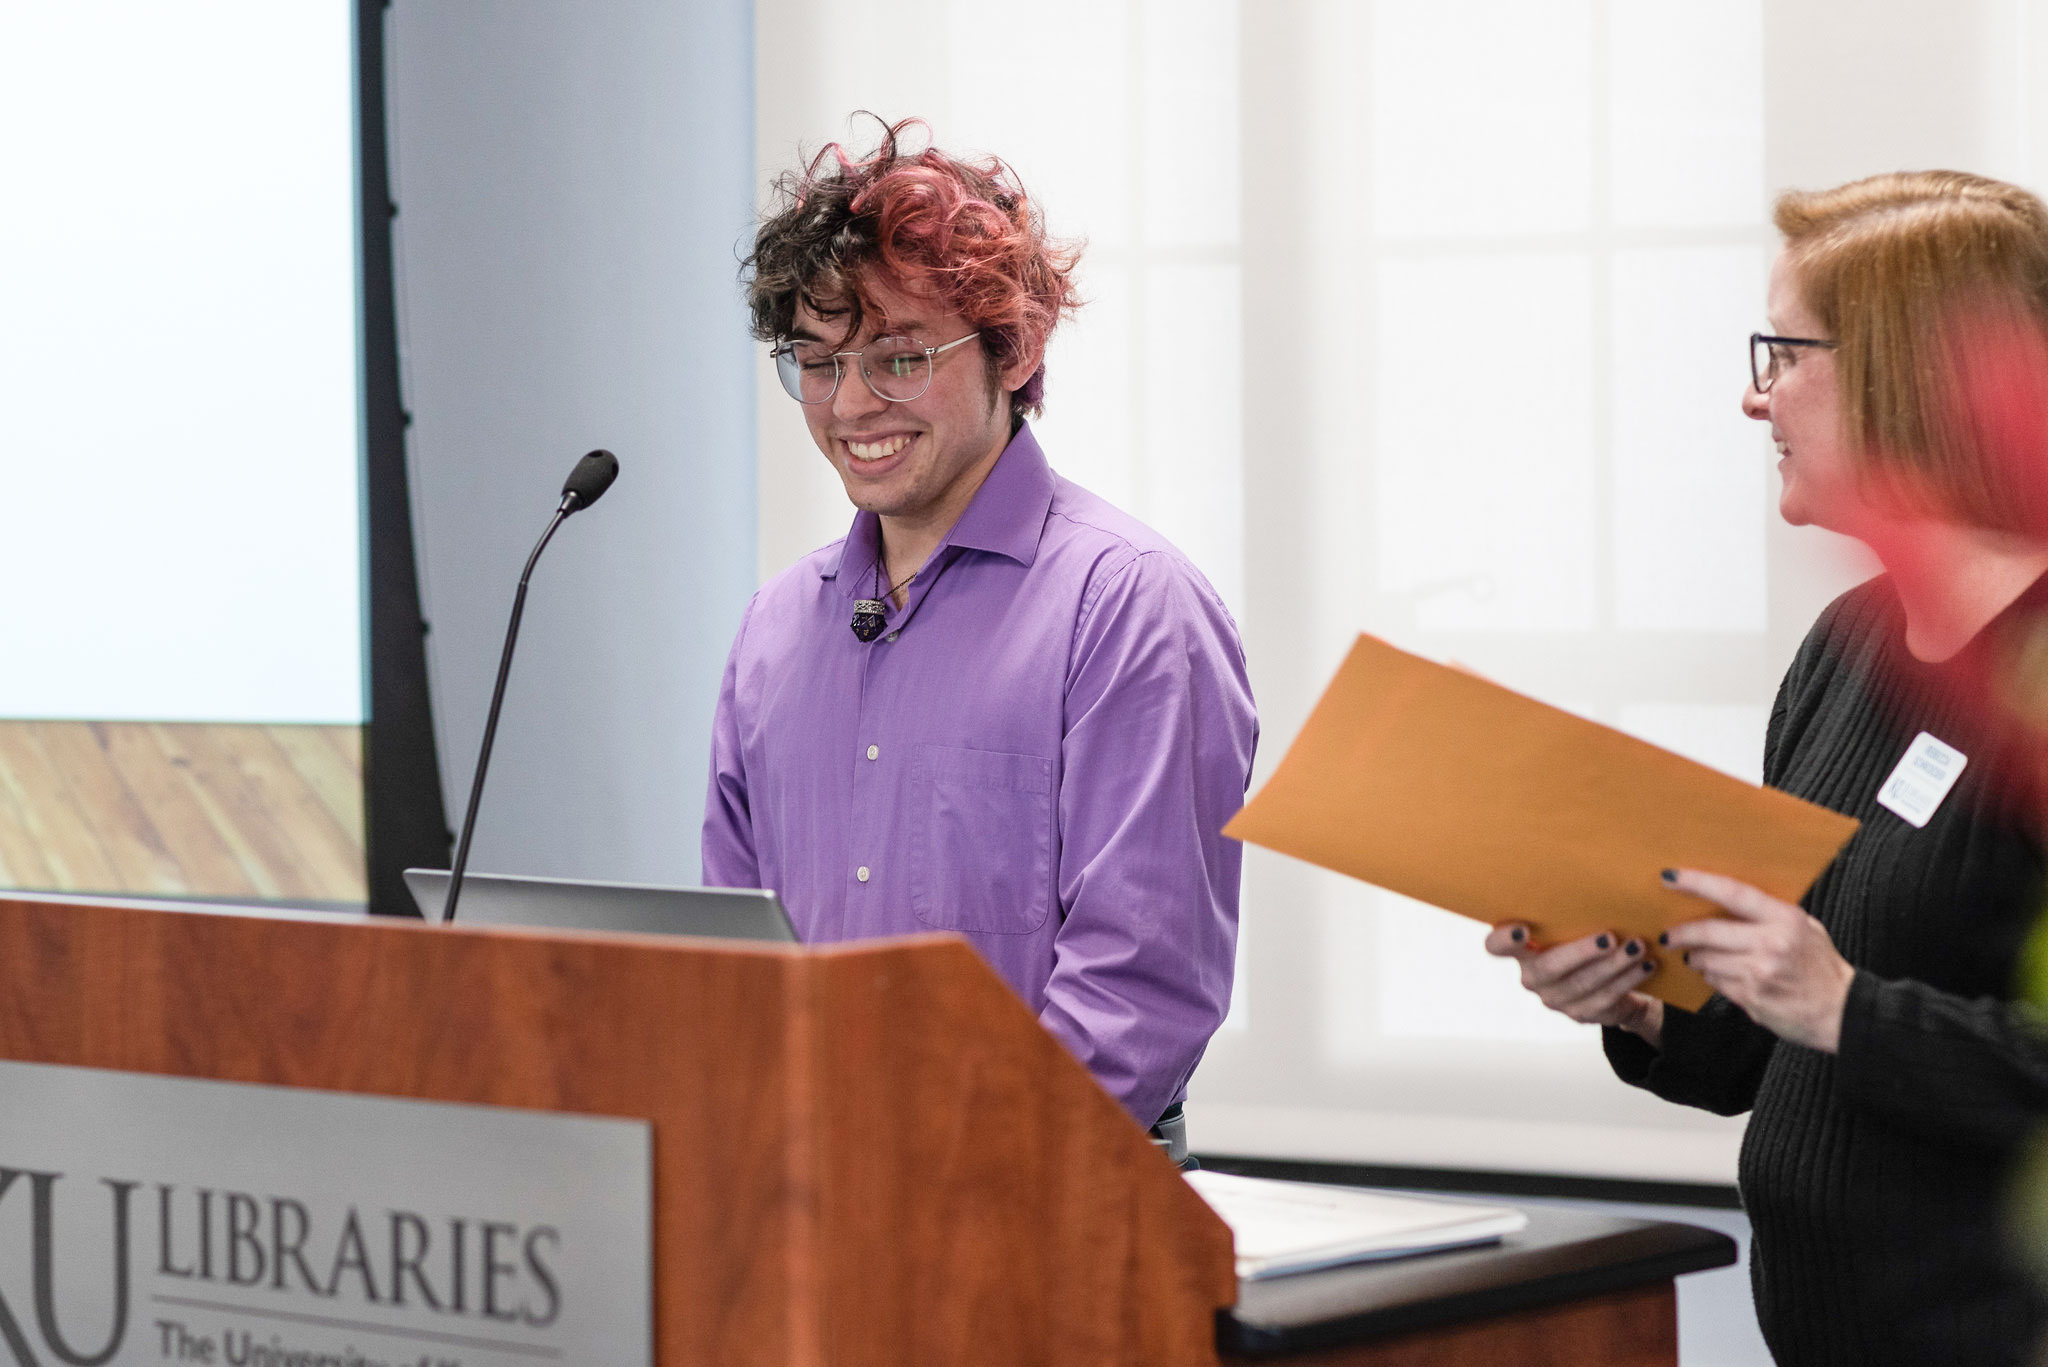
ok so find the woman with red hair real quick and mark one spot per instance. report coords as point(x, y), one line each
point(1873, 1035)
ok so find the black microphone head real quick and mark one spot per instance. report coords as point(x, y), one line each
point(591, 477)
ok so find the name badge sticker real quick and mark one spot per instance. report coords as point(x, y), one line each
point(1924, 776)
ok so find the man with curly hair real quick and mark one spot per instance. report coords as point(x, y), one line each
point(998, 706)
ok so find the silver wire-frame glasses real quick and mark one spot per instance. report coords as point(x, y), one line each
point(898, 369)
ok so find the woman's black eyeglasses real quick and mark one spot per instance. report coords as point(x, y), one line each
point(1768, 355)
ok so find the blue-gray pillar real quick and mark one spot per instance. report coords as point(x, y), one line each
point(572, 182)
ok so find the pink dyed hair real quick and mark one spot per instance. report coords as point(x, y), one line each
point(962, 231)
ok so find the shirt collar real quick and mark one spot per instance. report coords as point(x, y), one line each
point(1006, 516)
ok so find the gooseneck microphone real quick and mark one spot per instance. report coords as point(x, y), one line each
point(586, 485)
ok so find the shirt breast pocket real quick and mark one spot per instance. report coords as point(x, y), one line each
point(981, 845)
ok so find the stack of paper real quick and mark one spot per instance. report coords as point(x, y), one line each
point(1283, 1227)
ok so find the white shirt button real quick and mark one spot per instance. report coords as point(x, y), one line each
point(861, 873)
point(891, 636)
point(874, 752)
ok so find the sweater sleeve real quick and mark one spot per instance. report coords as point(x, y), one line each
point(1713, 1058)
point(1951, 1068)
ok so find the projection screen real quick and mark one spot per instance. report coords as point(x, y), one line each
point(181, 628)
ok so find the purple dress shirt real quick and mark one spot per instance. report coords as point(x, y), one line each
point(1039, 753)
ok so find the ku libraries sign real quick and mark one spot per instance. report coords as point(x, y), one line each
point(163, 1220)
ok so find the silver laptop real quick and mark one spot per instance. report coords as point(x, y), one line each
point(497, 899)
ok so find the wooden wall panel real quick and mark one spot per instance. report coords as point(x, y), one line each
point(266, 812)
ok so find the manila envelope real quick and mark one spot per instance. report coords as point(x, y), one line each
point(1439, 785)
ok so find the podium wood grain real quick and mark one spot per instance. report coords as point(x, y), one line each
point(865, 1154)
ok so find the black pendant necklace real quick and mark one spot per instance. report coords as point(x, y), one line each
point(868, 620)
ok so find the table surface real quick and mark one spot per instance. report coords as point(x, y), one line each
point(1562, 1255)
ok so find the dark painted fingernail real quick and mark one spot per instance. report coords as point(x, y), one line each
point(1634, 947)
point(1663, 937)
point(1687, 956)
point(1669, 875)
point(1518, 935)
point(1602, 943)
point(1649, 965)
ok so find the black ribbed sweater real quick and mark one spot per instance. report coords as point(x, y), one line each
point(1874, 1178)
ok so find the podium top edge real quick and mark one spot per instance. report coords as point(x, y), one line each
point(357, 918)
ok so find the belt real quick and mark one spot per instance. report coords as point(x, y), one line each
point(1171, 1135)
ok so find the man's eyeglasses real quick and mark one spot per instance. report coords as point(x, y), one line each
point(898, 369)
point(1768, 355)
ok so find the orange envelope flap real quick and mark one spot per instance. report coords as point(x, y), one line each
point(1435, 783)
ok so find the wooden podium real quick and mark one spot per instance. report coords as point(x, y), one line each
point(862, 1154)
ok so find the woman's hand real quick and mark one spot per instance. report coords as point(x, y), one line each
point(1591, 980)
point(1768, 957)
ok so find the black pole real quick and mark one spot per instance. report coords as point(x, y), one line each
point(405, 819)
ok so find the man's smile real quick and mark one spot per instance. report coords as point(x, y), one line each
point(879, 448)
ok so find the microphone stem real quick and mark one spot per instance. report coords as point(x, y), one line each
point(570, 502)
